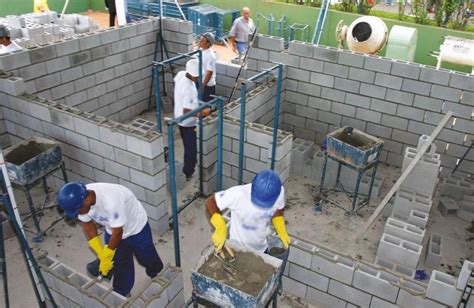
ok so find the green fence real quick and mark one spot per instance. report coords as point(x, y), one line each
point(429, 38)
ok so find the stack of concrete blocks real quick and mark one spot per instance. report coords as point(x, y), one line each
point(448, 206)
point(301, 158)
point(466, 208)
point(465, 276)
point(179, 176)
point(70, 288)
point(95, 149)
point(326, 278)
point(394, 100)
point(407, 200)
point(434, 251)
point(456, 187)
point(442, 287)
point(257, 152)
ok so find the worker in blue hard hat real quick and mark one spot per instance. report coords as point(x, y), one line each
point(252, 208)
point(127, 233)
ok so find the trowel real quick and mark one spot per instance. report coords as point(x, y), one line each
point(227, 264)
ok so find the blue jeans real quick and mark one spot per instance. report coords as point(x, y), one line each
point(242, 48)
point(141, 246)
point(188, 134)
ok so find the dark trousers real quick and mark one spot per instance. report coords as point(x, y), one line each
point(188, 134)
point(112, 16)
point(141, 246)
point(208, 91)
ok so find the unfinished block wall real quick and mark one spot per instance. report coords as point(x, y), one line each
point(394, 100)
point(70, 288)
point(327, 278)
point(95, 147)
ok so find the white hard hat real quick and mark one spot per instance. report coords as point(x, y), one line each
point(192, 67)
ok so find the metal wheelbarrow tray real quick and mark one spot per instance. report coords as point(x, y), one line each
point(218, 293)
point(32, 159)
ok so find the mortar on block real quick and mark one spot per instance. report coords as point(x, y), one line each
point(353, 146)
point(253, 285)
point(32, 159)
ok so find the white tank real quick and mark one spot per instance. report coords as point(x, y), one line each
point(456, 50)
point(367, 34)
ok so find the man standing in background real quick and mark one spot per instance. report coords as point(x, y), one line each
point(208, 66)
point(240, 31)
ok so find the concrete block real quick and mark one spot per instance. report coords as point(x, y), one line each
point(311, 65)
point(434, 250)
point(333, 265)
point(348, 293)
point(411, 113)
point(336, 70)
point(395, 267)
point(418, 87)
point(395, 122)
point(15, 60)
point(347, 85)
point(270, 42)
point(372, 91)
point(284, 58)
point(433, 75)
point(373, 281)
point(379, 303)
point(403, 230)
point(324, 53)
point(424, 176)
point(322, 79)
point(378, 64)
point(298, 74)
point(357, 100)
point(42, 54)
point(368, 115)
point(400, 97)
point(418, 218)
point(442, 288)
point(412, 294)
point(332, 94)
point(464, 274)
point(407, 200)
point(300, 49)
point(448, 206)
point(309, 277)
point(300, 256)
point(294, 287)
point(12, 85)
point(406, 69)
point(151, 182)
point(428, 103)
point(354, 59)
point(114, 299)
point(461, 81)
point(400, 251)
point(323, 299)
point(445, 93)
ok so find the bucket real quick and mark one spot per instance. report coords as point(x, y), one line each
point(276, 248)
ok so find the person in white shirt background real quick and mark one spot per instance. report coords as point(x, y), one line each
point(240, 31)
point(209, 59)
point(6, 45)
point(127, 232)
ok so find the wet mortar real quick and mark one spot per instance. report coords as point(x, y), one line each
point(26, 152)
point(355, 140)
point(251, 272)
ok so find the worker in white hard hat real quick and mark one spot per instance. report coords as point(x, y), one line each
point(40, 6)
point(252, 208)
point(185, 100)
point(6, 44)
point(240, 31)
point(209, 60)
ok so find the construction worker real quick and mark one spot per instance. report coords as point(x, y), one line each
point(110, 5)
point(252, 208)
point(127, 233)
point(6, 45)
point(185, 100)
point(40, 6)
point(240, 31)
point(209, 59)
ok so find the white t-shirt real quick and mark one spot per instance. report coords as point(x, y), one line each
point(249, 224)
point(116, 206)
point(241, 29)
point(209, 60)
point(10, 48)
point(185, 96)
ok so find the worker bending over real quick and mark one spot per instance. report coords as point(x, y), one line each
point(6, 44)
point(252, 208)
point(127, 233)
point(240, 31)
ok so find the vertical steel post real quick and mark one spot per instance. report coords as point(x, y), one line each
point(201, 159)
point(156, 82)
point(276, 117)
point(243, 92)
point(220, 129)
point(3, 267)
point(174, 201)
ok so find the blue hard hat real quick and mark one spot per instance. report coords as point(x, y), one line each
point(266, 187)
point(71, 198)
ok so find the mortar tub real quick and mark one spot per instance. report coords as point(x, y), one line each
point(223, 295)
point(362, 152)
point(32, 159)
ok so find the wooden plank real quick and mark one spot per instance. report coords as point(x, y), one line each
point(405, 173)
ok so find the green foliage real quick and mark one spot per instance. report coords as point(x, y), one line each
point(345, 6)
point(401, 9)
point(364, 7)
point(420, 12)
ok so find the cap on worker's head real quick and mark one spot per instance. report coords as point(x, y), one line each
point(266, 187)
point(192, 67)
point(210, 38)
point(4, 32)
point(71, 198)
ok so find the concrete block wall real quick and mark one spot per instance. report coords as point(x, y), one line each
point(257, 152)
point(73, 289)
point(329, 279)
point(394, 100)
point(456, 186)
point(95, 149)
point(107, 72)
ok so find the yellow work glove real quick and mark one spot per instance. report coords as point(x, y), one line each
point(106, 262)
point(95, 244)
point(279, 225)
point(220, 234)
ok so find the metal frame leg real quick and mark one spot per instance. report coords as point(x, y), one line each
point(317, 207)
point(356, 191)
point(3, 267)
point(372, 180)
point(29, 200)
point(63, 170)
